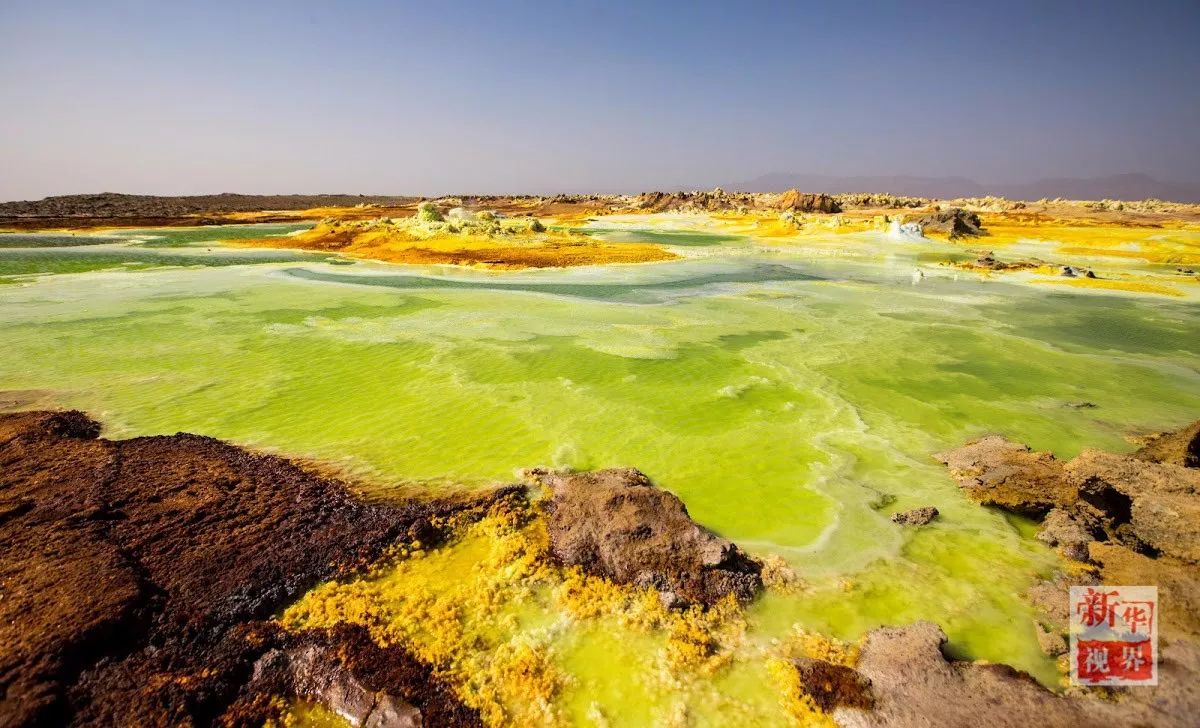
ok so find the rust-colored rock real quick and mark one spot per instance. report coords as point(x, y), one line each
point(1150, 506)
point(797, 201)
point(1181, 447)
point(618, 525)
point(344, 669)
point(833, 686)
point(998, 472)
point(1178, 582)
point(134, 570)
point(914, 684)
point(954, 223)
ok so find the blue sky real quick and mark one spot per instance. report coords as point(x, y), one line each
point(395, 97)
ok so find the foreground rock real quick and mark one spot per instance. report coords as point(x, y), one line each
point(616, 524)
point(347, 671)
point(1175, 448)
point(912, 683)
point(832, 686)
point(136, 572)
point(1150, 507)
point(1131, 519)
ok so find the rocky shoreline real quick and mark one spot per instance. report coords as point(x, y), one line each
point(140, 576)
point(1124, 519)
point(144, 579)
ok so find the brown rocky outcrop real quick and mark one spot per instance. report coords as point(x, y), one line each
point(114, 206)
point(1070, 535)
point(716, 200)
point(1151, 507)
point(797, 201)
point(1181, 447)
point(998, 472)
point(1178, 582)
point(135, 571)
point(954, 223)
point(616, 524)
point(1133, 519)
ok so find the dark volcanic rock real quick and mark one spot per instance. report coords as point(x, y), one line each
point(955, 222)
point(1181, 447)
point(618, 525)
point(833, 686)
point(133, 569)
point(915, 517)
point(344, 669)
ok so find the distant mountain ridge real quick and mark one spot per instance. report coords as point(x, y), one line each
point(1133, 186)
point(114, 204)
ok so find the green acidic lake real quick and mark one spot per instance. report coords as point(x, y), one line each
point(793, 404)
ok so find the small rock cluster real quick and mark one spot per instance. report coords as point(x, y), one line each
point(987, 260)
point(1070, 271)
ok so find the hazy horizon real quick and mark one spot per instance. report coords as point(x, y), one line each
point(369, 98)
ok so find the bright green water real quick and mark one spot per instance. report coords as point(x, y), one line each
point(29, 254)
point(787, 401)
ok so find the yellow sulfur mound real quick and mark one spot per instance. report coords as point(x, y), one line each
point(796, 700)
point(493, 614)
point(490, 243)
